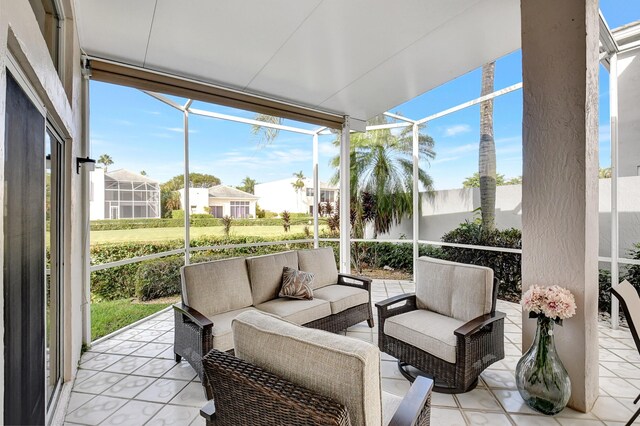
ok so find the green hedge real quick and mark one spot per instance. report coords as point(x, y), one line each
point(196, 221)
point(160, 277)
point(506, 266)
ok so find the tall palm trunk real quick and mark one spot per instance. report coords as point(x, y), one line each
point(487, 163)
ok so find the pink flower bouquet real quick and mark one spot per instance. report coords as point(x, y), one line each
point(553, 302)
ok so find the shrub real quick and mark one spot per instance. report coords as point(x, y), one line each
point(286, 221)
point(121, 282)
point(195, 220)
point(506, 266)
point(158, 278)
point(226, 224)
point(177, 214)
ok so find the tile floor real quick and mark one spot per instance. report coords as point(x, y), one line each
point(131, 379)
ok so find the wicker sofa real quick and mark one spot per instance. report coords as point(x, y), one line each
point(214, 293)
point(283, 374)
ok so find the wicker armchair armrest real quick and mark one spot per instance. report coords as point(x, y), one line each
point(194, 316)
point(478, 323)
point(362, 282)
point(414, 404)
point(208, 411)
point(245, 391)
point(387, 307)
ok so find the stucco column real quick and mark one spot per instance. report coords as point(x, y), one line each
point(560, 172)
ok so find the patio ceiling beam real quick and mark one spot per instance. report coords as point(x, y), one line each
point(476, 101)
point(154, 81)
point(250, 121)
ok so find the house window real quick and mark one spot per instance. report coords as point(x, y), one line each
point(216, 211)
point(327, 196)
point(49, 20)
point(239, 209)
point(309, 192)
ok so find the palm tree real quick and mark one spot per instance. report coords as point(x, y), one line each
point(266, 134)
point(105, 160)
point(382, 175)
point(487, 160)
point(298, 185)
point(248, 185)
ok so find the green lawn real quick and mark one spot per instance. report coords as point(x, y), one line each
point(163, 234)
point(107, 317)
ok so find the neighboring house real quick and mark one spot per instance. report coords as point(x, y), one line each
point(220, 201)
point(122, 194)
point(280, 195)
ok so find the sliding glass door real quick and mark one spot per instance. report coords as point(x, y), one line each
point(53, 254)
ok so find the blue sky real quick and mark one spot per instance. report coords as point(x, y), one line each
point(141, 133)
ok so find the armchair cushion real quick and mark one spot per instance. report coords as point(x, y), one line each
point(322, 263)
point(426, 330)
point(221, 331)
point(265, 273)
point(342, 297)
point(390, 404)
point(297, 311)
point(344, 369)
point(456, 290)
point(215, 287)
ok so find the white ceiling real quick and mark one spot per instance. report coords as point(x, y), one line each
point(355, 57)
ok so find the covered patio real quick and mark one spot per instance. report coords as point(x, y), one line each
point(329, 64)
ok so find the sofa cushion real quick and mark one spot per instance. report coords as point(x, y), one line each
point(454, 289)
point(344, 369)
point(265, 273)
point(342, 297)
point(322, 263)
point(297, 311)
point(429, 331)
point(390, 404)
point(216, 287)
point(221, 331)
point(296, 284)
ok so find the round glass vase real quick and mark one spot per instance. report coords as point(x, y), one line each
point(542, 380)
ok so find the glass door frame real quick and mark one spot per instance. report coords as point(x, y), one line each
point(55, 274)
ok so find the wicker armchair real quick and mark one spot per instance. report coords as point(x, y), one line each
point(245, 393)
point(449, 329)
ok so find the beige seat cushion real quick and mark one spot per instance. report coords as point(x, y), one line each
point(454, 289)
point(344, 369)
point(390, 404)
point(322, 263)
point(342, 297)
point(429, 331)
point(216, 287)
point(265, 274)
point(297, 311)
point(222, 336)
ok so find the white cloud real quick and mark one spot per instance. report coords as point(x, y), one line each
point(444, 160)
point(509, 139)
point(457, 129)
point(328, 149)
point(470, 147)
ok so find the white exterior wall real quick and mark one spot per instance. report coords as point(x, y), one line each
point(278, 196)
point(198, 197)
point(20, 34)
point(448, 208)
point(629, 113)
point(96, 196)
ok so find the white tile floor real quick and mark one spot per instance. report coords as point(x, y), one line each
point(131, 379)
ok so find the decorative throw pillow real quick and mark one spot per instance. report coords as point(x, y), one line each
point(296, 284)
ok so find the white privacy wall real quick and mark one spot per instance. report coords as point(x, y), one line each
point(448, 208)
